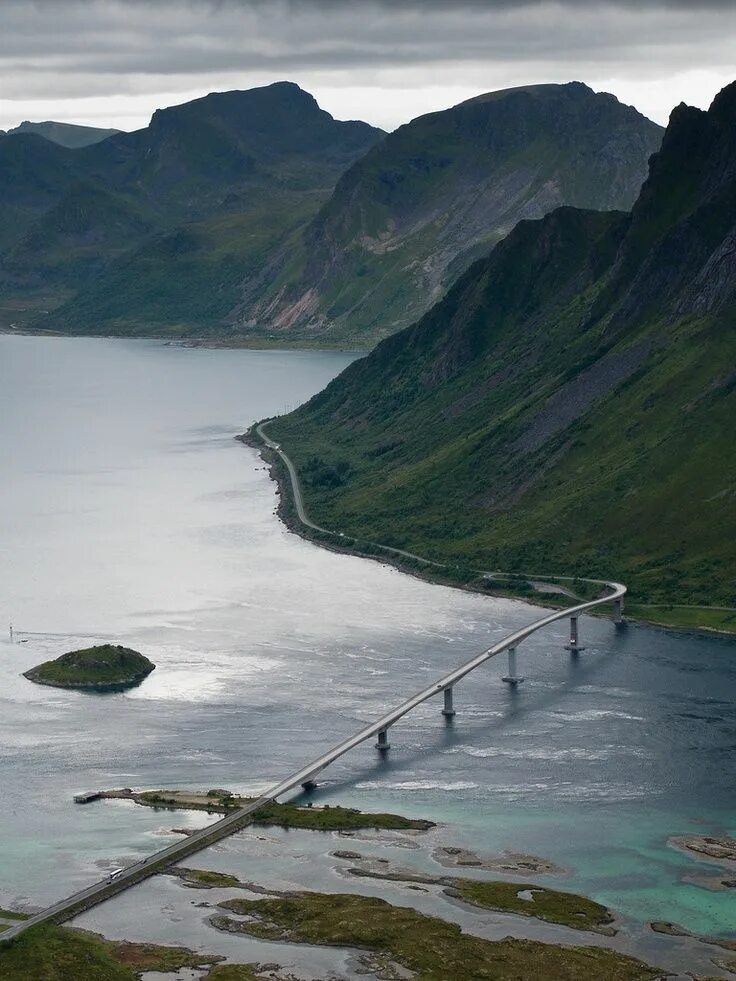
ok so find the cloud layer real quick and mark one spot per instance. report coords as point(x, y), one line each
point(114, 61)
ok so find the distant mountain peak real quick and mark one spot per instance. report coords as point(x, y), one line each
point(71, 135)
point(406, 219)
point(212, 185)
point(724, 104)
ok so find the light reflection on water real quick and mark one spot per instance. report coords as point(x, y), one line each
point(130, 514)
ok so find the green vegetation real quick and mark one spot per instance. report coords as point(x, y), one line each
point(52, 953)
point(413, 214)
point(434, 949)
point(241, 215)
point(157, 231)
point(185, 280)
point(551, 905)
point(329, 818)
point(566, 409)
point(204, 878)
point(687, 617)
point(234, 972)
point(107, 667)
point(208, 878)
point(325, 818)
point(545, 904)
point(10, 914)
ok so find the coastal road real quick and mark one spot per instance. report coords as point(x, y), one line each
point(302, 511)
point(67, 908)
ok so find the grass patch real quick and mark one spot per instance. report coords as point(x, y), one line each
point(551, 905)
point(432, 948)
point(564, 908)
point(329, 818)
point(52, 953)
point(687, 617)
point(233, 972)
point(326, 818)
point(10, 914)
point(206, 877)
point(100, 667)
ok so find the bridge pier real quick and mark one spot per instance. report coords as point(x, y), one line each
point(448, 710)
point(618, 610)
point(574, 646)
point(383, 744)
point(309, 785)
point(512, 678)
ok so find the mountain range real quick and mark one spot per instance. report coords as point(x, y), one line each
point(152, 231)
point(414, 212)
point(569, 405)
point(65, 134)
point(257, 215)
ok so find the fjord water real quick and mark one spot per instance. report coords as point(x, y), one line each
point(129, 514)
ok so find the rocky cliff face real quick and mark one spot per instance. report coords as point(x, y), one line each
point(410, 216)
point(679, 253)
point(569, 405)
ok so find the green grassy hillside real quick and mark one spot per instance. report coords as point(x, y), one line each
point(156, 231)
point(569, 406)
point(418, 208)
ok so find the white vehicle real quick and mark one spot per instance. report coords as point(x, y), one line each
point(114, 874)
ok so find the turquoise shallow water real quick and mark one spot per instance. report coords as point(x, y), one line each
point(128, 512)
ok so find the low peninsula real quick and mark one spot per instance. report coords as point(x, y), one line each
point(104, 668)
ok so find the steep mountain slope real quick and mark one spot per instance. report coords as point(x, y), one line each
point(104, 226)
point(412, 214)
point(65, 134)
point(569, 405)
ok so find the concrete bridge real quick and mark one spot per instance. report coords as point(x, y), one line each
point(442, 688)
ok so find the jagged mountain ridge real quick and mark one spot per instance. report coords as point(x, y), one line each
point(569, 405)
point(415, 211)
point(73, 220)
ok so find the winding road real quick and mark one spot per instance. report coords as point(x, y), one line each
point(67, 908)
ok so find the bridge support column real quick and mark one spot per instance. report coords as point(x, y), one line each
point(512, 678)
point(618, 610)
point(448, 711)
point(309, 785)
point(382, 742)
point(574, 646)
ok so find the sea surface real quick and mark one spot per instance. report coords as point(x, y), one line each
point(129, 514)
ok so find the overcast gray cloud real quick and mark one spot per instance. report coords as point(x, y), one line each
point(114, 61)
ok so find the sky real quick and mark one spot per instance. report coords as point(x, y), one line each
point(113, 62)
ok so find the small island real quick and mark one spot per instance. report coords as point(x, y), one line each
point(105, 668)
